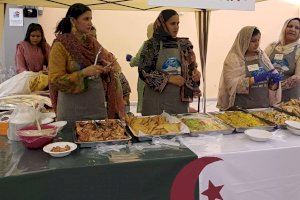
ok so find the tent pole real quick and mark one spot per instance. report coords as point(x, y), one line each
point(203, 24)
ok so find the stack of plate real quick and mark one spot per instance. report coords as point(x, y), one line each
point(293, 127)
point(258, 135)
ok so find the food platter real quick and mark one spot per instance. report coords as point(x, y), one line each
point(164, 125)
point(273, 115)
point(291, 107)
point(242, 121)
point(93, 132)
point(204, 124)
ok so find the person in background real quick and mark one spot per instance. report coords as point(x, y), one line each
point(284, 55)
point(82, 72)
point(32, 53)
point(134, 61)
point(124, 82)
point(126, 92)
point(248, 78)
point(168, 67)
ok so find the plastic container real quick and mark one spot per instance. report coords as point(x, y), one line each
point(36, 141)
point(21, 117)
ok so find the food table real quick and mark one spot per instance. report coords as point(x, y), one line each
point(248, 170)
point(89, 174)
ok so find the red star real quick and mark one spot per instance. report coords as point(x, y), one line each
point(213, 192)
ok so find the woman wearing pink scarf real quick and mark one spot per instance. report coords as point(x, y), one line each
point(33, 52)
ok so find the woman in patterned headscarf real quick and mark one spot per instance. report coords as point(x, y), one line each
point(285, 56)
point(168, 67)
point(248, 78)
point(82, 73)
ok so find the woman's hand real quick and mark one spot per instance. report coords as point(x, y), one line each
point(177, 80)
point(196, 75)
point(92, 70)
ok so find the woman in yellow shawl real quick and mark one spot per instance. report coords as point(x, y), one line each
point(83, 75)
point(248, 78)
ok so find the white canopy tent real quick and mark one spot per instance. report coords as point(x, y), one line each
point(202, 19)
point(95, 4)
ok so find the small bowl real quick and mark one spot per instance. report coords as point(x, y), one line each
point(36, 141)
point(59, 124)
point(293, 130)
point(258, 135)
point(293, 124)
point(48, 148)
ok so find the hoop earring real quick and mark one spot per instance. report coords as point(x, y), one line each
point(73, 29)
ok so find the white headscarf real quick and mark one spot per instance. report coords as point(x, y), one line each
point(234, 68)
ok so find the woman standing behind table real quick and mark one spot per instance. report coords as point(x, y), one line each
point(248, 78)
point(285, 55)
point(83, 88)
point(33, 52)
point(134, 62)
point(169, 69)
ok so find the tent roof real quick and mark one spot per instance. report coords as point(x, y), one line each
point(95, 4)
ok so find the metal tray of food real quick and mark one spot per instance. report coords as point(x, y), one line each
point(291, 107)
point(146, 128)
point(109, 131)
point(274, 115)
point(204, 124)
point(246, 120)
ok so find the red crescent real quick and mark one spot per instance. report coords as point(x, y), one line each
point(183, 186)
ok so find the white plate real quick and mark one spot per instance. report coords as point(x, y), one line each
point(47, 120)
point(59, 125)
point(293, 124)
point(48, 148)
point(293, 130)
point(258, 135)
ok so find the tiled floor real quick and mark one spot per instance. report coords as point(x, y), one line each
point(210, 106)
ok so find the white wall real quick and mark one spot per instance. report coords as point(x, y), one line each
point(123, 32)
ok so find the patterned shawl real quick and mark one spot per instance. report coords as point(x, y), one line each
point(188, 58)
point(85, 53)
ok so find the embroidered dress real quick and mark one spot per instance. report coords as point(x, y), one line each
point(30, 57)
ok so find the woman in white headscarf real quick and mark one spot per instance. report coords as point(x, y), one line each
point(284, 55)
point(248, 78)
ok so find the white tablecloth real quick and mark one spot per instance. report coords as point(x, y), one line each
point(250, 170)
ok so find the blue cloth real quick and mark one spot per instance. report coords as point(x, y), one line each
point(276, 77)
point(261, 75)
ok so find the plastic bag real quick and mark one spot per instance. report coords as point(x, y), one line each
point(169, 142)
point(18, 84)
point(104, 148)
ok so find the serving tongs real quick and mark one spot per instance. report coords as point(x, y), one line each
point(96, 124)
